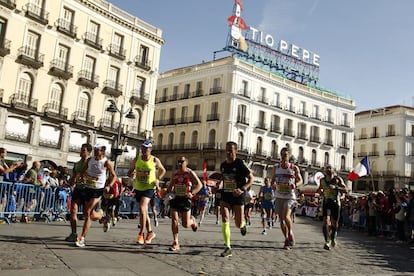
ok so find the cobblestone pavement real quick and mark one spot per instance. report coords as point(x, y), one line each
point(40, 249)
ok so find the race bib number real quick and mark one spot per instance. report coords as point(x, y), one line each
point(143, 177)
point(91, 181)
point(180, 190)
point(230, 184)
point(284, 188)
point(268, 196)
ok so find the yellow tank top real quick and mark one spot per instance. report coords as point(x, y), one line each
point(145, 174)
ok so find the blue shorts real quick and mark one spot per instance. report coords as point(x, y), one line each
point(147, 193)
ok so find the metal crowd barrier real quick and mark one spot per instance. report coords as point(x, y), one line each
point(49, 203)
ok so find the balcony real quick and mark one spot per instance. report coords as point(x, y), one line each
point(242, 120)
point(66, 27)
point(216, 90)
point(389, 152)
point(260, 125)
point(182, 120)
point(277, 105)
point(213, 117)
point(303, 113)
point(117, 51)
point(290, 108)
point(275, 129)
point(263, 100)
point(374, 135)
point(374, 153)
point(87, 79)
point(139, 98)
point(345, 124)
point(162, 99)
point(328, 119)
point(362, 154)
point(5, 47)
point(30, 57)
point(55, 110)
point(328, 142)
point(197, 93)
point(390, 133)
point(143, 63)
point(288, 132)
point(344, 146)
point(37, 14)
point(314, 139)
point(23, 102)
point(245, 93)
point(83, 118)
point(194, 119)
point(302, 136)
point(108, 124)
point(61, 69)
point(92, 40)
point(363, 136)
point(10, 4)
point(112, 88)
point(316, 117)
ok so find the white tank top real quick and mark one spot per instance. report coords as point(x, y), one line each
point(284, 178)
point(96, 173)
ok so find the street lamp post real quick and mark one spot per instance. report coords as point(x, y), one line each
point(117, 150)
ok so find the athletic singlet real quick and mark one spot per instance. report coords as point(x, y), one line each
point(145, 174)
point(96, 173)
point(182, 183)
point(284, 178)
point(327, 193)
point(268, 193)
point(76, 170)
point(204, 194)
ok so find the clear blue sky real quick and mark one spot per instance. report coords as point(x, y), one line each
point(366, 48)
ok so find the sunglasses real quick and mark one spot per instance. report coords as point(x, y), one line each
point(180, 161)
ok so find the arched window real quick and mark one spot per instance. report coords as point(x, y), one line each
point(55, 99)
point(301, 158)
point(313, 157)
point(24, 89)
point(212, 138)
point(159, 140)
point(182, 140)
point(240, 141)
point(194, 139)
point(326, 160)
point(170, 140)
point(343, 163)
point(275, 150)
point(259, 145)
point(83, 105)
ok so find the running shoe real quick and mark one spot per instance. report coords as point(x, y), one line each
point(217, 222)
point(286, 246)
point(227, 252)
point(72, 237)
point(291, 239)
point(140, 238)
point(333, 243)
point(194, 226)
point(80, 242)
point(327, 245)
point(106, 225)
point(175, 246)
point(243, 230)
point(264, 232)
point(114, 221)
point(150, 236)
point(156, 222)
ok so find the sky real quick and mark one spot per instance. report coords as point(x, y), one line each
point(366, 48)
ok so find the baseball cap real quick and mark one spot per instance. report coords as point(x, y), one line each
point(146, 144)
point(99, 147)
point(46, 170)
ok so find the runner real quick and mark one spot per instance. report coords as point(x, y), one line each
point(236, 178)
point(286, 177)
point(184, 184)
point(330, 188)
point(148, 172)
point(203, 200)
point(78, 190)
point(94, 175)
point(249, 201)
point(266, 198)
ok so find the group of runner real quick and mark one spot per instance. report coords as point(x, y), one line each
point(94, 176)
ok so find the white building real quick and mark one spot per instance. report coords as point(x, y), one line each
point(62, 62)
point(200, 107)
point(386, 136)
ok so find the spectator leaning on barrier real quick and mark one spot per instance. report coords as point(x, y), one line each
point(4, 168)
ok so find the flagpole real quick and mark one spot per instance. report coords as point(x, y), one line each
point(372, 176)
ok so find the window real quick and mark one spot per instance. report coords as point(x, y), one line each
point(197, 112)
point(24, 88)
point(182, 139)
point(3, 26)
point(32, 45)
point(186, 91)
point(68, 18)
point(262, 96)
point(313, 160)
point(242, 113)
point(344, 140)
point(89, 67)
point(343, 163)
point(391, 130)
point(315, 112)
point(140, 86)
point(328, 137)
point(55, 99)
point(289, 104)
point(245, 88)
point(159, 140)
point(240, 141)
point(326, 158)
point(194, 139)
point(216, 83)
point(212, 138)
point(328, 115)
point(107, 117)
point(63, 55)
point(184, 114)
point(162, 115)
point(275, 124)
point(274, 150)
point(262, 118)
point(117, 44)
point(37, 7)
point(170, 140)
point(276, 100)
point(83, 106)
point(199, 89)
point(113, 77)
point(93, 34)
point(214, 108)
point(172, 116)
point(259, 145)
point(302, 130)
point(143, 55)
point(175, 93)
point(314, 134)
point(302, 108)
point(374, 132)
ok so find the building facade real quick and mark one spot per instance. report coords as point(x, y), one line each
point(386, 136)
point(201, 107)
point(63, 63)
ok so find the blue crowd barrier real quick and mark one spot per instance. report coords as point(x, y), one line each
point(50, 203)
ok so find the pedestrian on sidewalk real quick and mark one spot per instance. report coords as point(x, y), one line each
point(183, 186)
point(286, 177)
point(331, 186)
point(236, 178)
